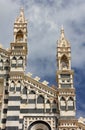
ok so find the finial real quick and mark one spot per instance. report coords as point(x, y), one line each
point(21, 17)
point(45, 82)
point(62, 28)
point(29, 74)
point(21, 9)
point(62, 32)
point(37, 78)
point(22, 12)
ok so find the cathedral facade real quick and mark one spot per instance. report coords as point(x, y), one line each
point(25, 102)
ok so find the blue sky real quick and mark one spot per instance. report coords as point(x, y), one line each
point(45, 18)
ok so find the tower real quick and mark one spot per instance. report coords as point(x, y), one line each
point(65, 75)
point(19, 45)
point(18, 55)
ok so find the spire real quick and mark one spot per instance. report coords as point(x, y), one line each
point(21, 17)
point(20, 28)
point(63, 42)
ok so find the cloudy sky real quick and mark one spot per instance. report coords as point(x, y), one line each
point(45, 18)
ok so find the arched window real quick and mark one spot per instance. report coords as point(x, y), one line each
point(18, 84)
point(1, 60)
point(12, 87)
point(40, 99)
point(1, 64)
point(54, 106)
point(48, 102)
point(19, 36)
point(7, 61)
point(70, 103)
point(12, 84)
point(20, 61)
point(13, 62)
point(64, 62)
point(54, 102)
point(48, 106)
point(25, 90)
point(32, 97)
point(63, 103)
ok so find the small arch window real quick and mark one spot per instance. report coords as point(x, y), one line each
point(40, 99)
point(1, 61)
point(14, 58)
point(63, 103)
point(54, 102)
point(48, 102)
point(48, 106)
point(19, 36)
point(7, 61)
point(25, 90)
point(64, 62)
point(12, 84)
point(54, 106)
point(13, 62)
point(1, 64)
point(12, 88)
point(20, 61)
point(18, 84)
point(70, 103)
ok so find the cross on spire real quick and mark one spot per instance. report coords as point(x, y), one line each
point(62, 32)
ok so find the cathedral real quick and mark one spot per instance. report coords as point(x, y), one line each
point(26, 103)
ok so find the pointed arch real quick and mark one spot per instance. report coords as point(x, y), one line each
point(12, 83)
point(14, 61)
point(1, 60)
point(62, 99)
point(14, 58)
point(63, 103)
point(32, 92)
point(70, 103)
point(64, 62)
point(48, 101)
point(70, 99)
point(12, 86)
point(20, 61)
point(54, 102)
point(48, 106)
point(19, 84)
point(20, 58)
point(1, 64)
point(19, 81)
point(25, 90)
point(54, 106)
point(7, 61)
point(19, 36)
point(40, 99)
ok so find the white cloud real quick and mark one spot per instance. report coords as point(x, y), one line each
point(44, 21)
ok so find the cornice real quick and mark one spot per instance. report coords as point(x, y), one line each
point(40, 84)
point(6, 52)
